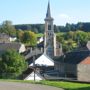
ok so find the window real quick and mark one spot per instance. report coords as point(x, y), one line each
point(50, 51)
point(49, 27)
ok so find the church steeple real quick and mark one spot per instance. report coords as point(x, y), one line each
point(49, 41)
point(50, 46)
point(48, 14)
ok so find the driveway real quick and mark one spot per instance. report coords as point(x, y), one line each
point(24, 86)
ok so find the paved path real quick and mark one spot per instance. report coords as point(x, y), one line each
point(24, 86)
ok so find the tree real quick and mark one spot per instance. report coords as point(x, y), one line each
point(19, 34)
point(81, 37)
point(8, 28)
point(69, 35)
point(29, 38)
point(69, 45)
point(12, 64)
point(68, 27)
point(60, 38)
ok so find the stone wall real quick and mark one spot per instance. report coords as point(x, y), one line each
point(71, 71)
point(83, 72)
point(68, 70)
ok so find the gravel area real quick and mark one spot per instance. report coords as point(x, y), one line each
point(24, 86)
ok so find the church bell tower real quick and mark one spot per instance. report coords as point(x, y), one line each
point(49, 36)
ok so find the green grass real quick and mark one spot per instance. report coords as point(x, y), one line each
point(67, 85)
point(60, 33)
point(39, 35)
point(60, 84)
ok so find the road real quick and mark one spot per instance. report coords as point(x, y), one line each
point(24, 86)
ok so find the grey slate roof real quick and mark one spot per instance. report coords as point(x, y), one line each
point(48, 14)
point(3, 35)
point(48, 11)
point(33, 53)
point(73, 57)
point(6, 46)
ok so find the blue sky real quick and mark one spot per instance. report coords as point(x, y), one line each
point(34, 11)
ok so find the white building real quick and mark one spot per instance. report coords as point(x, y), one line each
point(43, 60)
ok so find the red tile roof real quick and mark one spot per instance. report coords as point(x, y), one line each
point(86, 60)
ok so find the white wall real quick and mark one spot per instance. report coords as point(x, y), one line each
point(12, 39)
point(22, 48)
point(31, 77)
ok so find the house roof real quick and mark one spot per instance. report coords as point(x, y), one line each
point(29, 54)
point(41, 44)
point(43, 60)
point(6, 46)
point(86, 60)
point(29, 75)
point(74, 57)
point(3, 35)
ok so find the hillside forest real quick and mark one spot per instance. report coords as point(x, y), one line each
point(71, 36)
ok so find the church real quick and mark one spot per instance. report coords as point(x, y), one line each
point(42, 56)
point(51, 46)
point(47, 44)
point(52, 61)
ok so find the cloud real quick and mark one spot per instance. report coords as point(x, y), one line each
point(64, 16)
point(62, 19)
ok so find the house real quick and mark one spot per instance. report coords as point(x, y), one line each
point(4, 38)
point(74, 65)
point(17, 46)
point(39, 40)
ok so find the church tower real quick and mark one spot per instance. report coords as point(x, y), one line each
point(49, 36)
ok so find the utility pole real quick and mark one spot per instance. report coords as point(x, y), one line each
point(34, 66)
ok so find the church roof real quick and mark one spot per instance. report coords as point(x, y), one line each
point(48, 11)
point(48, 14)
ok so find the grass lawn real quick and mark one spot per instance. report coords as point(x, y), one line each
point(60, 84)
point(67, 85)
point(39, 35)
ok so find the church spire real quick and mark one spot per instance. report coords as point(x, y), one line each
point(48, 15)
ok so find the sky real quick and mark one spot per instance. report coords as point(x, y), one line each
point(34, 11)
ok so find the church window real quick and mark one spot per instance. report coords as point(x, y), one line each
point(49, 27)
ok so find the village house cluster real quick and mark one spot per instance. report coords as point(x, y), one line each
point(47, 60)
